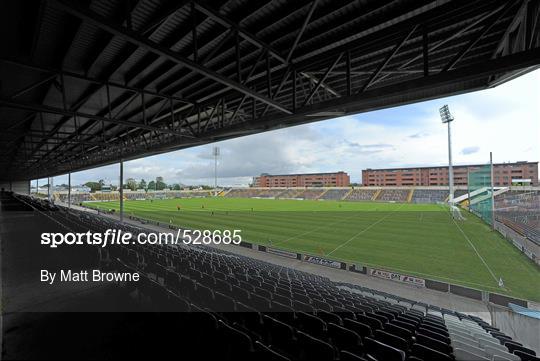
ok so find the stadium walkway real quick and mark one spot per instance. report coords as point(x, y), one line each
point(446, 300)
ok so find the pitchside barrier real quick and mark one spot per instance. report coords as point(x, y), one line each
point(467, 292)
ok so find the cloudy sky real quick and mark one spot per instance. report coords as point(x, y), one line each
point(504, 120)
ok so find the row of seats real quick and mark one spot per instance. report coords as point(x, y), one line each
point(393, 195)
point(429, 196)
point(361, 194)
point(335, 194)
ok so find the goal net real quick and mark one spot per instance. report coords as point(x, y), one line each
point(480, 192)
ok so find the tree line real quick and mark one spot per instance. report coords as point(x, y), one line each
point(131, 183)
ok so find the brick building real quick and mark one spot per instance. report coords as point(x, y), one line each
point(504, 174)
point(337, 179)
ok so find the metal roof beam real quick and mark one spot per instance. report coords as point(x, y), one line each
point(57, 72)
point(53, 110)
point(99, 21)
point(216, 16)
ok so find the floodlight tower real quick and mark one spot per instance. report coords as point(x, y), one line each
point(215, 153)
point(447, 118)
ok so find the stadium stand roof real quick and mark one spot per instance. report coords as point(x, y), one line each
point(90, 82)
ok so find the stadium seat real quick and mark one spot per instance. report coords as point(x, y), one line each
point(223, 303)
point(344, 339)
point(265, 353)
point(282, 299)
point(433, 343)
point(433, 334)
point(382, 351)
point(280, 335)
point(516, 346)
point(329, 317)
point(203, 296)
point(236, 344)
point(302, 307)
point(259, 303)
point(491, 351)
point(240, 294)
point(315, 349)
point(349, 356)
point(465, 355)
point(427, 353)
point(526, 356)
point(398, 331)
point(392, 340)
point(374, 323)
point(311, 324)
point(360, 328)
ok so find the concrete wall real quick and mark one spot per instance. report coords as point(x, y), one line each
point(523, 328)
point(22, 187)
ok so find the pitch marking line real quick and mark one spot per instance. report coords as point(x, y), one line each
point(476, 251)
point(363, 231)
point(316, 229)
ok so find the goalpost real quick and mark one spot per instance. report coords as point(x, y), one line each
point(481, 192)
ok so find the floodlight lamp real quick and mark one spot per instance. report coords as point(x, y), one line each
point(446, 117)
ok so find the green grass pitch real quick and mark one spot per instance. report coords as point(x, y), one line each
point(416, 239)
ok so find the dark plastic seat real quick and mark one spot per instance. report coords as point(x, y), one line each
point(203, 296)
point(222, 286)
point(282, 299)
point(344, 339)
point(188, 287)
point(398, 331)
point(329, 317)
point(435, 328)
point(382, 351)
point(259, 303)
point(434, 335)
point(410, 319)
point(384, 320)
point(280, 335)
point(262, 292)
point(315, 349)
point(240, 295)
point(269, 287)
point(302, 307)
point(344, 313)
point(172, 281)
point(349, 356)
point(392, 340)
point(360, 328)
point(406, 325)
point(311, 324)
point(426, 353)
point(433, 343)
point(389, 315)
point(235, 343)
point(526, 356)
point(250, 287)
point(223, 303)
point(374, 323)
point(516, 346)
point(302, 298)
point(363, 307)
point(265, 353)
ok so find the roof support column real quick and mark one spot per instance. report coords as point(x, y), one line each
point(121, 189)
point(69, 190)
